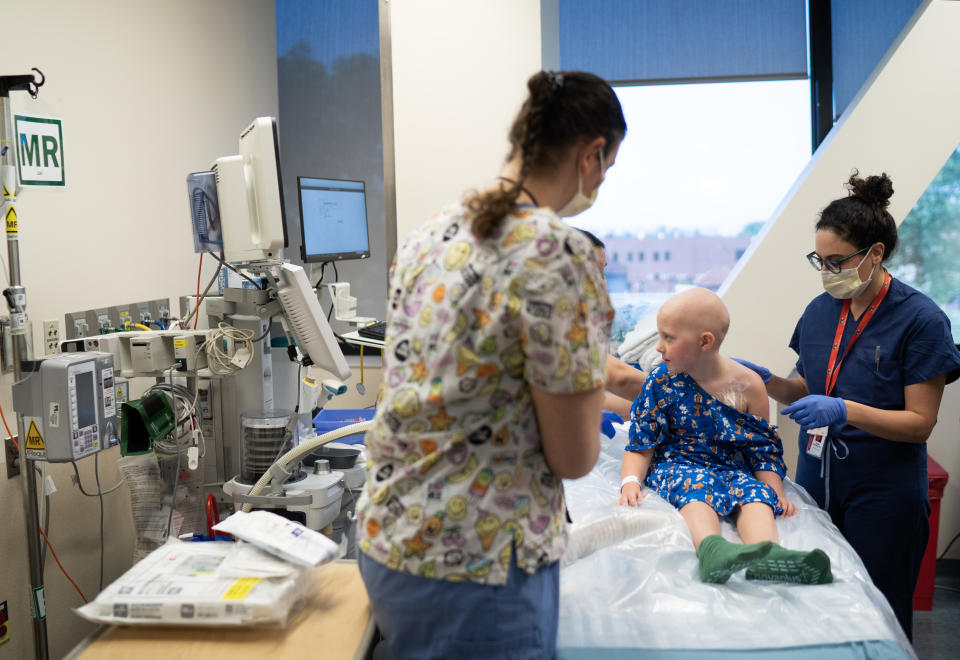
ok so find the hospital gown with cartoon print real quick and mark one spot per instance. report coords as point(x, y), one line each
point(704, 450)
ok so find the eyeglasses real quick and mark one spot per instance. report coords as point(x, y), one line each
point(833, 265)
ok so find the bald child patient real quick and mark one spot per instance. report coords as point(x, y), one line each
point(699, 436)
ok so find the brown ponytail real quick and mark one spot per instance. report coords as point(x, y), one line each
point(561, 108)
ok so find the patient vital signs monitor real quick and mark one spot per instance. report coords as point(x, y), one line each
point(333, 219)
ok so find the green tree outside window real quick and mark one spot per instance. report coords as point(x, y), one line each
point(928, 258)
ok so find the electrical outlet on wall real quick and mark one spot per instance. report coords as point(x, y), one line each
point(11, 457)
point(51, 337)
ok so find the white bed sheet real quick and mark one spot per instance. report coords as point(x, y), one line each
point(631, 580)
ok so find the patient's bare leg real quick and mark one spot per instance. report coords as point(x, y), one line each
point(719, 558)
point(701, 519)
point(755, 523)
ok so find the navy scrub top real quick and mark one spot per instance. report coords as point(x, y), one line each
point(907, 341)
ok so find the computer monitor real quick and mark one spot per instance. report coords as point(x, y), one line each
point(250, 195)
point(333, 219)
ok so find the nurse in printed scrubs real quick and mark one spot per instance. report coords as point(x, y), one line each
point(874, 356)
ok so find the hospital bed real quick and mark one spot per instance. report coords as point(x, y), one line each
point(630, 586)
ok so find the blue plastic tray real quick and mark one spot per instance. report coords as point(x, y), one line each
point(330, 419)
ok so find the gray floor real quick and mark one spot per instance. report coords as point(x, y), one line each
point(936, 633)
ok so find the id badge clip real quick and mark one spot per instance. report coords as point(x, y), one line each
point(817, 438)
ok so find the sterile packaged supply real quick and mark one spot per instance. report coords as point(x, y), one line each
point(179, 584)
point(281, 537)
point(245, 560)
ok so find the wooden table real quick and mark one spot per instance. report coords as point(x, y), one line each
point(334, 623)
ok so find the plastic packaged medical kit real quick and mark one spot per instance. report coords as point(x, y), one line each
point(181, 584)
point(280, 537)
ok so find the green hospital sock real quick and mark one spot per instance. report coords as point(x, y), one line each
point(782, 565)
point(719, 558)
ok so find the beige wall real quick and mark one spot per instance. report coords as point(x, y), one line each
point(148, 91)
point(459, 76)
point(903, 122)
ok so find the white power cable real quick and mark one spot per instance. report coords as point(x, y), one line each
point(219, 361)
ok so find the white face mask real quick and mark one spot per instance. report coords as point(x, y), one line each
point(581, 202)
point(846, 283)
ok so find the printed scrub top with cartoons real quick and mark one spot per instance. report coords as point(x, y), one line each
point(704, 449)
point(456, 476)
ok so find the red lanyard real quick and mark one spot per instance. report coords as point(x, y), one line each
point(833, 368)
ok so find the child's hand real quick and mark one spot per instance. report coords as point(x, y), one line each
point(789, 508)
point(630, 494)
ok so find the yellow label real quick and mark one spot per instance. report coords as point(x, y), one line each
point(11, 219)
point(239, 589)
point(181, 343)
point(34, 438)
point(6, 191)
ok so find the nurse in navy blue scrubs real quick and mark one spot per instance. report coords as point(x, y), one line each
point(874, 356)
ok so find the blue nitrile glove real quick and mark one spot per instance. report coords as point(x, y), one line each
point(763, 372)
point(816, 410)
point(606, 426)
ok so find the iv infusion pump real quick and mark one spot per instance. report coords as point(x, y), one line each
point(69, 407)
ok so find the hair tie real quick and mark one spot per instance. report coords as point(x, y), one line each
point(556, 80)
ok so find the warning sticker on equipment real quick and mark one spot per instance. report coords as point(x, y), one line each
point(34, 444)
point(18, 323)
point(11, 220)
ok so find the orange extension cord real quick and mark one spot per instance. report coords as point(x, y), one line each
point(49, 545)
point(53, 552)
point(9, 435)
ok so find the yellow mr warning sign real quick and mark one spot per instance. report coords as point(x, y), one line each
point(11, 220)
point(34, 444)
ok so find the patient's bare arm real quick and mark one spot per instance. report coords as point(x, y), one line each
point(773, 480)
point(635, 463)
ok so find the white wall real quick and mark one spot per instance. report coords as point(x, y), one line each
point(148, 91)
point(459, 76)
point(903, 122)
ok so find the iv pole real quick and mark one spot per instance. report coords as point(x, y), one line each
point(17, 302)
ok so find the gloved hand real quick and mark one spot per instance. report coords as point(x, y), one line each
point(816, 410)
point(606, 425)
point(763, 372)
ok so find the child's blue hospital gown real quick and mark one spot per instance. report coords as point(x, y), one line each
point(704, 450)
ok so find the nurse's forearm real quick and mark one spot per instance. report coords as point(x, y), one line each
point(921, 401)
point(623, 380)
point(895, 425)
point(618, 405)
point(786, 390)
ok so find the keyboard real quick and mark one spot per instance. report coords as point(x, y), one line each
point(376, 330)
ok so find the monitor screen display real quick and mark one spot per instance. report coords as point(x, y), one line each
point(86, 402)
point(333, 219)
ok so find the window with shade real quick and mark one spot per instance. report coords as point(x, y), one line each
point(717, 102)
point(328, 66)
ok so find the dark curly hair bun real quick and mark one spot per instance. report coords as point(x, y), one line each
point(874, 190)
point(862, 218)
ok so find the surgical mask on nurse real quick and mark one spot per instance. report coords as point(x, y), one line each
point(580, 202)
point(846, 283)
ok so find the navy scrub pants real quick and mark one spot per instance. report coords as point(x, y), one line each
point(425, 618)
point(879, 502)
